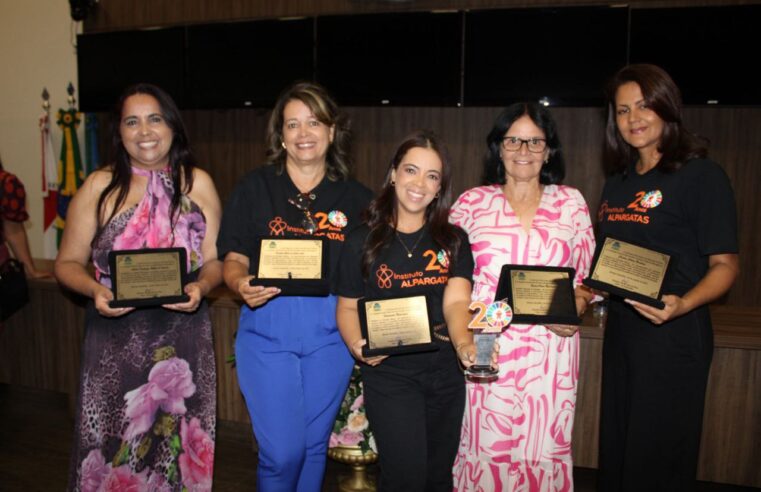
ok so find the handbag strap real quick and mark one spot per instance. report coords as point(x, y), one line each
point(3, 247)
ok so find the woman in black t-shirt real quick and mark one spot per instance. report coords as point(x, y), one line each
point(664, 194)
point(292, 365)
point(414, 402)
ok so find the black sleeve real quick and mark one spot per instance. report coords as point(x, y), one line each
point(711, 209)
point(463, 266)
point(237, 231)
point(350, 280)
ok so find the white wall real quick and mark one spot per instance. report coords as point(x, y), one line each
point(36, 51)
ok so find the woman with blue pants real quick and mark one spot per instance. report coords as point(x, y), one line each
point(293, 367)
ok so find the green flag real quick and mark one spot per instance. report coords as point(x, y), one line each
point(70, 174)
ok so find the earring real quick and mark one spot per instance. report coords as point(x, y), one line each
point(436, 195)
point(283, 144)
point(392, 183)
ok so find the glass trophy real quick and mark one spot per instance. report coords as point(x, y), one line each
point(487, 323)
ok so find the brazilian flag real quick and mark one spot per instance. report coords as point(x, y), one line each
point(70, 174)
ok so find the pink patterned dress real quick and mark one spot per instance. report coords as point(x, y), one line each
point(516, 433)
point(147, 397)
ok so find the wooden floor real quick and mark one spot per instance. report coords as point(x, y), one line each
point(36, 434)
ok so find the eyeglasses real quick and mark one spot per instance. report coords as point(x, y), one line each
point(515, 144)
point(303, 202)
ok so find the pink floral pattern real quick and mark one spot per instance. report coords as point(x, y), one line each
point(169, 383)
point(149, 226)
point(516, 433)
point(197, 458)
point(123, 479)
point(146, 419)
point(94, 471)
point(349, 438)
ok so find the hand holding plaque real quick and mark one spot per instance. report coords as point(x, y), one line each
point(487, 324)
point(539, 294)
point(298, 266)
point(148, 277)
point(630, 271)
point(395, 326)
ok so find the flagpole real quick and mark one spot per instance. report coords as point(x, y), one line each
point(49, 181)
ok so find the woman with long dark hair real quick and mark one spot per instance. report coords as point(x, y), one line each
point(517, 429)
point(147, 397)
point(414, 402)
point(664, 193)
point(292, 367)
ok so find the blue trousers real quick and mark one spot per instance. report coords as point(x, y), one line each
point(293, 369)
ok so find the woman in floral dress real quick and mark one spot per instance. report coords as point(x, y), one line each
point(147, 397)
point(517, 430)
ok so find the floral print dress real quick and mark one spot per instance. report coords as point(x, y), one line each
point(147, 397)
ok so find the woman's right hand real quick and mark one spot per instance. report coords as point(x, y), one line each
point(102, 295)
point(256, 295)
point(466, 354)
point(356, 351)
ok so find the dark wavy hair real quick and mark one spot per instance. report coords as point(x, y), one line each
point(181, 159)
point(382, 217)
point(661, 94)
point(552, 172)
point(326, 111)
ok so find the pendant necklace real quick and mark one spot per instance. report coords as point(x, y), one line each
point(408, 250)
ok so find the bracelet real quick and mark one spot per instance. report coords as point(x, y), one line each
point(438, 328)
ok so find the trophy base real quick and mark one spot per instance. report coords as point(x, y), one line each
point(481, 373)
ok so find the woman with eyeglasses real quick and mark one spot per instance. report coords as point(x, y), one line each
point(516, 431)
point(293, 367)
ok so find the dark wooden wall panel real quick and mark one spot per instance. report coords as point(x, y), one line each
point(735, 144)
point(224, 320)
point(728, 450)
point(586, 427)
point(114, 15)
point(231, 142)
point(227, 143)
point(40, 345)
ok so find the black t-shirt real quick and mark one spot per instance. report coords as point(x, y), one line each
point(259, 207)
point(690, 212)
point(394, 274)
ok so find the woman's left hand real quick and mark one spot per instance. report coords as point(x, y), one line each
point(193, 290)
point(31, 273)
point(675, 307)
point(583, 296)
point(563, 330)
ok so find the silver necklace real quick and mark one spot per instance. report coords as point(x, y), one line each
point(408, 250)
